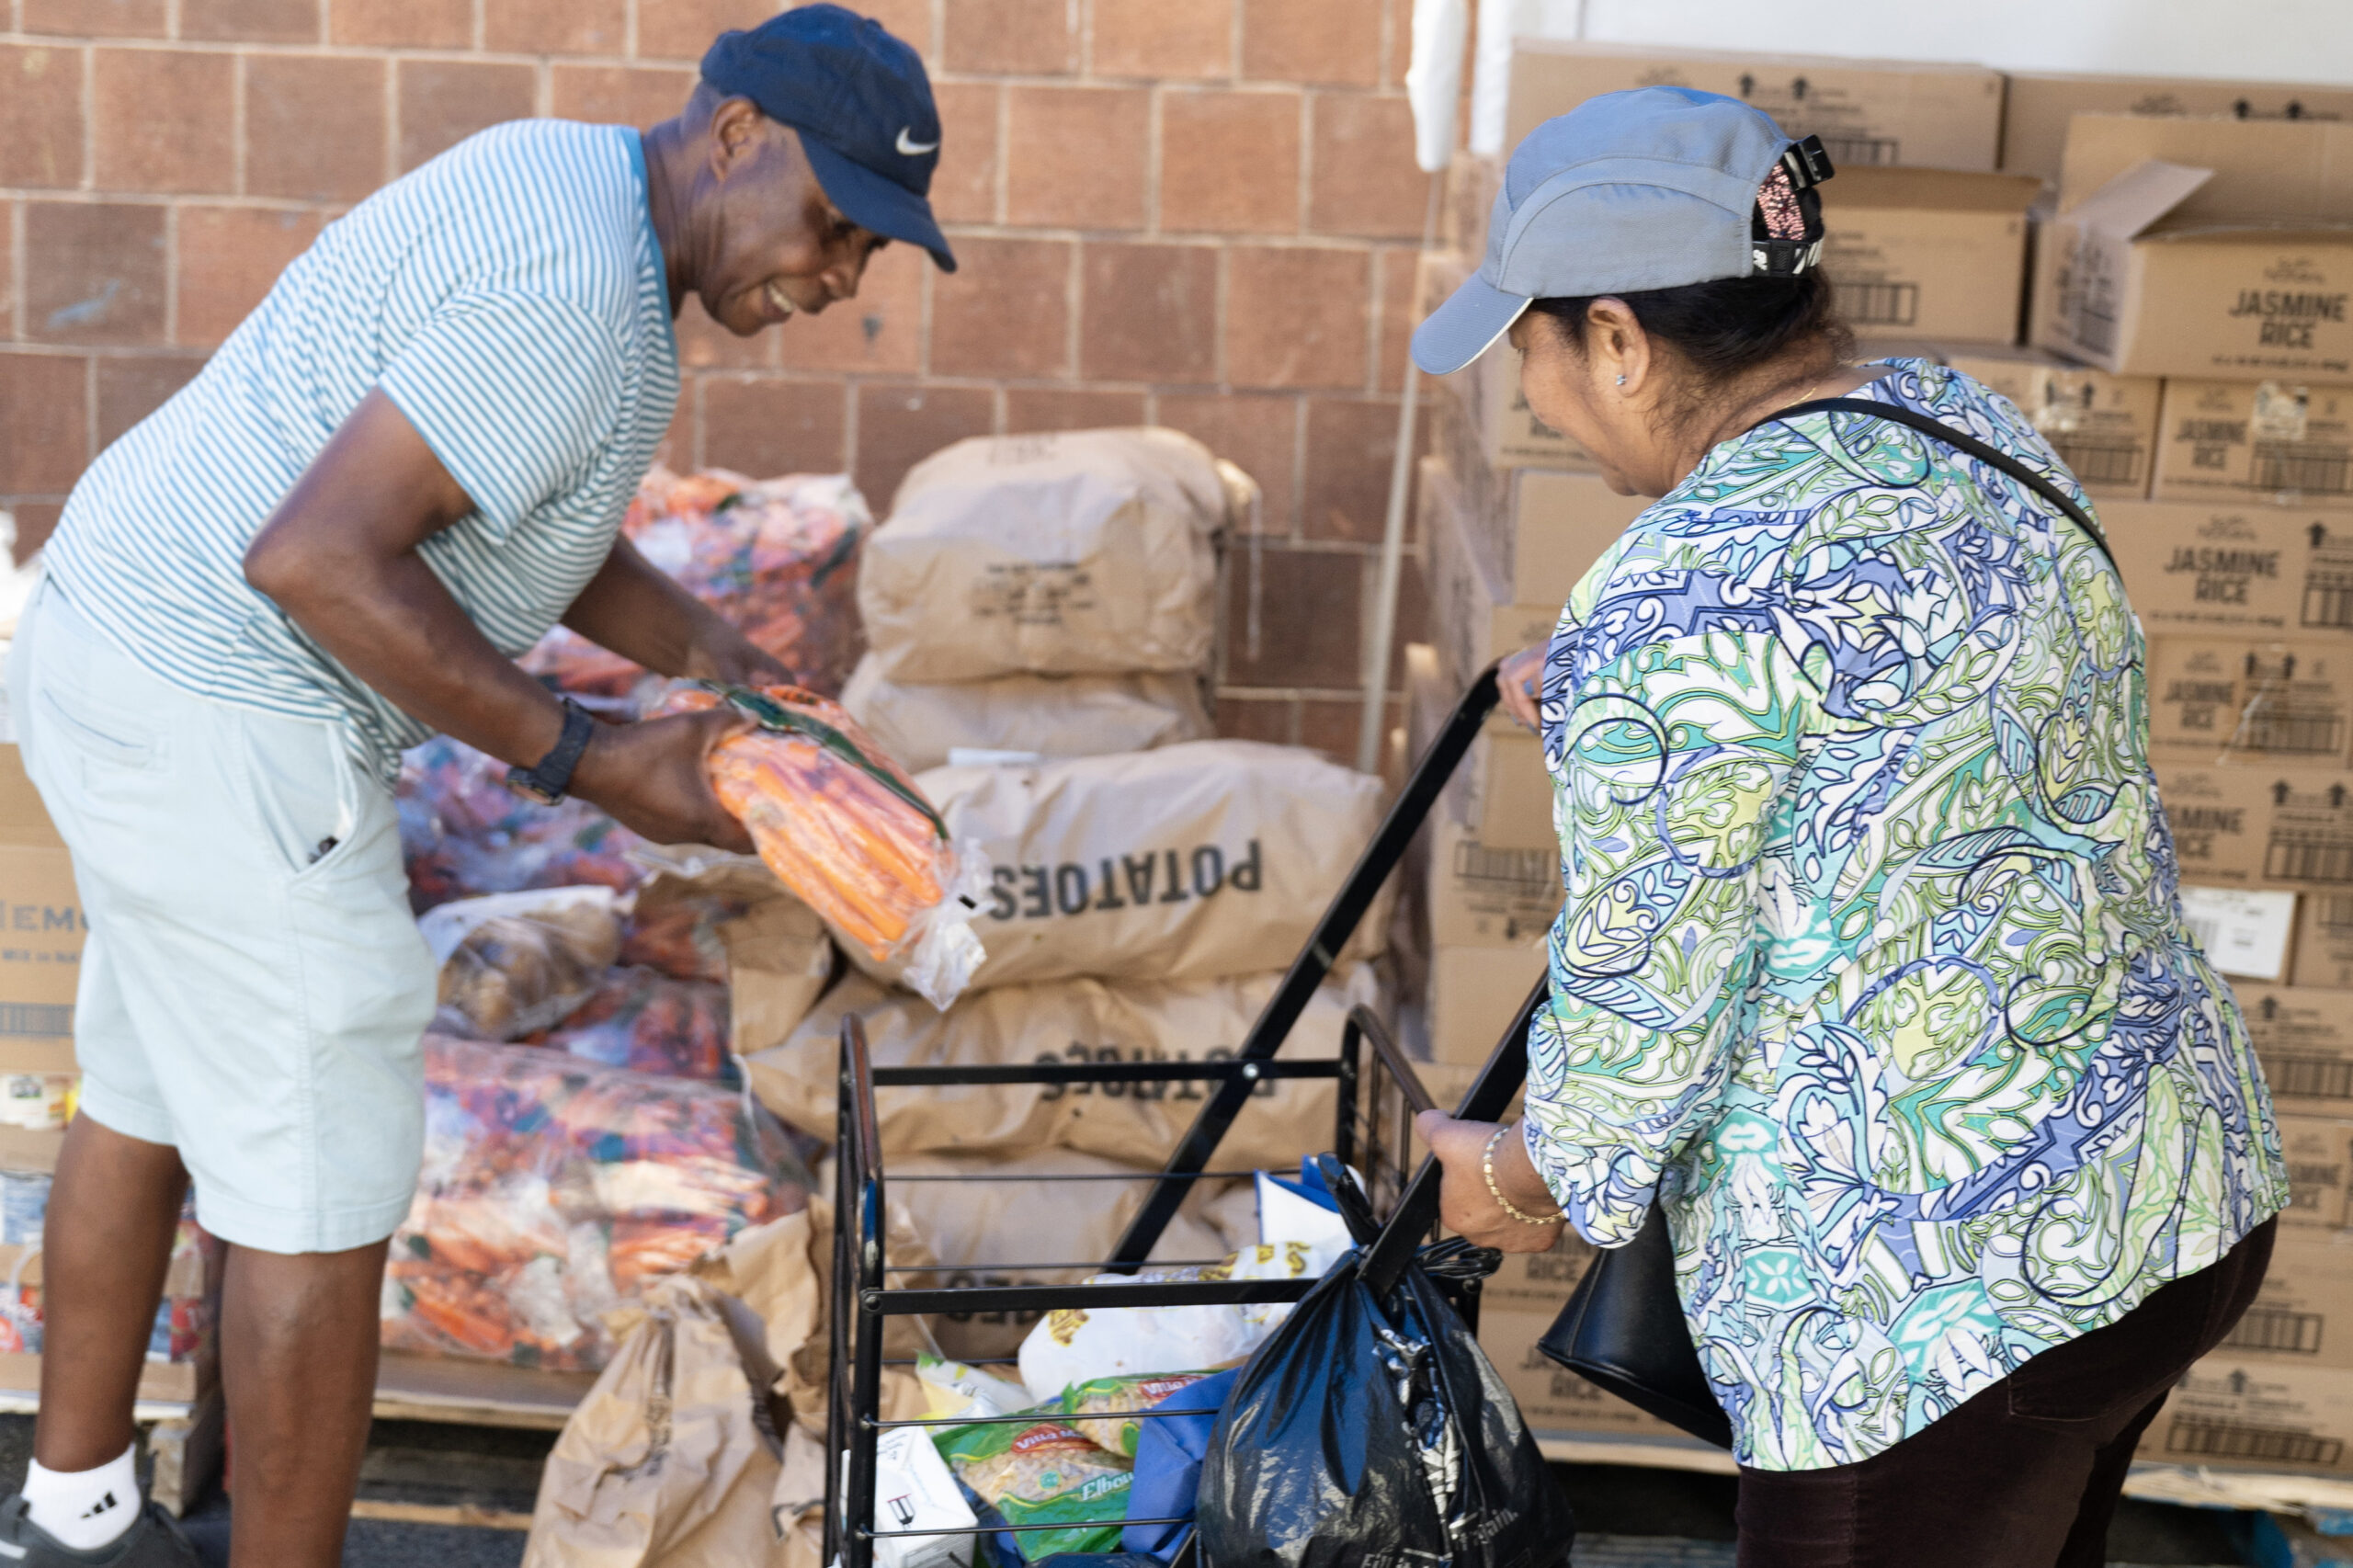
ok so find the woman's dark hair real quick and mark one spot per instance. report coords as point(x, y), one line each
point(1727, 326)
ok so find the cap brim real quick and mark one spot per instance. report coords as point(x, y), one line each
point(872, 202)
point(1466, 326)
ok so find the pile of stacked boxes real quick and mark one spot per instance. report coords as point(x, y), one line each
point(2156, 273)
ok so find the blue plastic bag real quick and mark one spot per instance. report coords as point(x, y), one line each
point(1168, 1466)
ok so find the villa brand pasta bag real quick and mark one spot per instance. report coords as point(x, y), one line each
point(1082, 552)
point(1052, 716)
point(1070, 1020)
point(1194, 861)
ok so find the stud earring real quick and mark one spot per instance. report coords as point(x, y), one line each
point(1621, 381)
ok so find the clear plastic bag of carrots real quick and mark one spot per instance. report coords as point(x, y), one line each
point(846, 830)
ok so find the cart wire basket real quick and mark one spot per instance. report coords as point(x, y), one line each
point(1377, 1094)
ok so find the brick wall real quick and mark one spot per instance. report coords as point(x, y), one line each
point(1197, 212)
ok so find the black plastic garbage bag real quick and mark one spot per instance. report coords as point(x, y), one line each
point(1370, 1433)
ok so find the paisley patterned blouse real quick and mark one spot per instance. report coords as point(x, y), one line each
point(1871, 967)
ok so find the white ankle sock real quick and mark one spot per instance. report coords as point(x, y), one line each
point(85, 1508)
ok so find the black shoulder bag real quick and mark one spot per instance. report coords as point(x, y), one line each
point(1623, 1328)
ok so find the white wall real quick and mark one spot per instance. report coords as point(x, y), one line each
point(2284, 40)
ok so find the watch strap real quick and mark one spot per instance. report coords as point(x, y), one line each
point(551, 778)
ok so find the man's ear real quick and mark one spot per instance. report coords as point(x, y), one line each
point(735, 134)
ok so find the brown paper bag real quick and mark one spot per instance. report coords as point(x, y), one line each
point(671, 1460)
point(1082, 552)
point(1190, 862)
point(1053, 716)
point(1067, 1020)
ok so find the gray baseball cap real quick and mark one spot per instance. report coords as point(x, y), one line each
point(1649, 188)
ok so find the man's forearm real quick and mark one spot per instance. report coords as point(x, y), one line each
point(644, 615)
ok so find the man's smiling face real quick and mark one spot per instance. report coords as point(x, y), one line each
point(779, 247)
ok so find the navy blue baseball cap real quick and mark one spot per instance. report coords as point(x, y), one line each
point(862, 104)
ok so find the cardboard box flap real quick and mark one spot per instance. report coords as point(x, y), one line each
point(2270, 170)
point(1930, 191)
point(2171, 231)
point(2138, 199)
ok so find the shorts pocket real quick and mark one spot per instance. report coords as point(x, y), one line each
point(108, 736)
point(302, 792)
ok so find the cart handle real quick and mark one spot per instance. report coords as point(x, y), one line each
point(1417, 1211)
point(1315, 961)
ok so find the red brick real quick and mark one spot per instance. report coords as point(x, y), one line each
point(1269, 716)
point(44, 423)
point(163, 118)
point(1163, 39)
point(765, 427)
point(1076, 157)
point(260, 21)
point(704, 344)
point(1148, 313)
point(97, 18)
point(1295, 317)
point(229, 258)
point(964, 187)
point(314, 126)
point(1349, 444)
point(898, 424)
point(445, 101)
point(880, 331)
point(41, 116)
point(1006, 312)
point(554, 26)
point(402, 24)
point(131, 387)
point(685, 29)
point(1071, 408)
point(643, 96)
point(1307, 627)
point(35, 520)
point(8, 269)
point(1336, 42)
point(1329, 725)
point(93, 273)
point(1401, 313)
point(1362, 179)
point(1024, 37)
point(1229, 162)
point(1259, 433)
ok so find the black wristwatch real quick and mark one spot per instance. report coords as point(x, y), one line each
point(548, 781)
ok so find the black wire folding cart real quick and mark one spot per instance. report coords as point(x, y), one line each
point(1372, 1132)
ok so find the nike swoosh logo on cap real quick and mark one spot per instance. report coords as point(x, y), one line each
point(915, 148)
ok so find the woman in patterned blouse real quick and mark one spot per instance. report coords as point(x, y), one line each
point(1872, 974)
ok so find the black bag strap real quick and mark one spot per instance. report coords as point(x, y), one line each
point(1937, 429)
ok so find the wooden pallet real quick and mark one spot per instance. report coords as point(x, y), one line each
point(476, 1393)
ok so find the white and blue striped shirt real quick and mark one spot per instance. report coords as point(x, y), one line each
point(509, 298)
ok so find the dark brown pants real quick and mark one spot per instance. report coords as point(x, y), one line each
point(2023, 1475)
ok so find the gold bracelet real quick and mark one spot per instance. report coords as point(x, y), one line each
point(1487, 1164)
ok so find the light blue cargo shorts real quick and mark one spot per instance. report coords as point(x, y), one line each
point(245, 997)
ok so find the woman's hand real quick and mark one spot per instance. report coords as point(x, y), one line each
point(1464, 1204)
point(1519, 679)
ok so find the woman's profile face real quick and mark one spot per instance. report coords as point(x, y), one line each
point(1577, 392)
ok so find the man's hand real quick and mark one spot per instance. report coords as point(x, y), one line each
point(1464, 1204)
point(633, 608)
point(1520, 679)
point(654, 777)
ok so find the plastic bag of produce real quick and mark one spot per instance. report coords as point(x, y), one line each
point(1084, 553)
point(776, 557)
point(1067, 1020)
point(678, 924)
point(464, 832)
point(1209, 858)
point(553, 1190)
point(643, 1020)
point(1045, 1473)
point(846, 830)
point(516, 963)
point(1051, 716)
